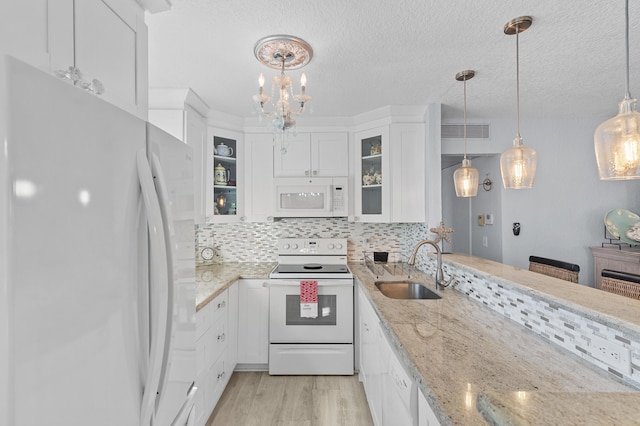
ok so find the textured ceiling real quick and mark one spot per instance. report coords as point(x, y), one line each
point(369, 54)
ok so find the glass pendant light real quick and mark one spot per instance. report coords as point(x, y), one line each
point(617, 140)
point(518, 163)
point(465, 178)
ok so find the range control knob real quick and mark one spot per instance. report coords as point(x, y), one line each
point(294, 246)
point(286, 246)
point(338, 246)
point(330, 246)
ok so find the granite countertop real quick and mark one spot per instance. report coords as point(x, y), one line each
point(211, 280)
point(458, 349)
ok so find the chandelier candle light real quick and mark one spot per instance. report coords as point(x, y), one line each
point(518, 163)
point(465, 178)
point(282, 52)
point(617, 140)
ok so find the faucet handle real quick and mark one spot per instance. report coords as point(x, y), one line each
point(442, 283)
point(446, 284)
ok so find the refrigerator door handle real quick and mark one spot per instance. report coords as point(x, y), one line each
point(158, 285)
point(165, 210)
point(186, 412)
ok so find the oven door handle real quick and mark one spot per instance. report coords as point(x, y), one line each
point(321, 283)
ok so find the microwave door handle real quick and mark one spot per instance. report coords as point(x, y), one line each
point(333, 194)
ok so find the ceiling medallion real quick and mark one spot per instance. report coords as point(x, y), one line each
point(273, 49)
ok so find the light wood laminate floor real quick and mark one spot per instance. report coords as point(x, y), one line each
point(256, 398)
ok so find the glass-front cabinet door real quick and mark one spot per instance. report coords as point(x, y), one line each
point(224, 177)
point(372, 176)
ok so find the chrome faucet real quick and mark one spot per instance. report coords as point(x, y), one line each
point(441, 283)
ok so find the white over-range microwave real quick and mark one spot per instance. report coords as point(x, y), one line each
point(311, 197)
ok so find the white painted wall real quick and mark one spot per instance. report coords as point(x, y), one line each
point(456, 214)
point(562, 215)
point(462, 213)
point(487, 202)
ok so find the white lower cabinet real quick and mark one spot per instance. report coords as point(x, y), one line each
point(398, 389)
point(426, 416)
point(392, 394)
point(370, 357)
point(253, 324)
point(215, 325)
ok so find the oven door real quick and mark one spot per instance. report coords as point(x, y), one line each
point(334, 323)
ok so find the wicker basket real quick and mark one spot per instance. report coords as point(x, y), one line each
point(555, 272)
point(616, 283)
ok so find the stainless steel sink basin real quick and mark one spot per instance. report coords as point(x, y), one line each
point(405, 290)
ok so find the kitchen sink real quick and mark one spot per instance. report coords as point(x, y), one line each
point(405, 290)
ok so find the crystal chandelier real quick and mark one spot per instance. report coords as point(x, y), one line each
point(518, 163)
point(282, 52)
point(617, 140)
point(465, 178)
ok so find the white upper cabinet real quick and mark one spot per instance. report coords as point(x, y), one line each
point(313, 155)
point(24, 31)
point(259, 189)
point(408, 173)
point(224, 184)
point(390, 174)
point(372, 176)
point(105, 39)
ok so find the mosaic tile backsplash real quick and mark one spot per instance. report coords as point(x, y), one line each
point(256, 242)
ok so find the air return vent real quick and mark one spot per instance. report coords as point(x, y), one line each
point(456, 131)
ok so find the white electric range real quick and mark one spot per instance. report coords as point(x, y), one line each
point(320, 345)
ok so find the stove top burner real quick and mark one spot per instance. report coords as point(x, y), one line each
point(312, 266)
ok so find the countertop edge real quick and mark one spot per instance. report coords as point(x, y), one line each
point(218, 291)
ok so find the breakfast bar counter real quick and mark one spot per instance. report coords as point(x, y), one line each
point(477, 366)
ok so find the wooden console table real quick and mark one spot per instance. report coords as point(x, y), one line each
point(614, 258)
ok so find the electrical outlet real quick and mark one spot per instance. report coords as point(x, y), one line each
point(485, 241)
point(611, 354)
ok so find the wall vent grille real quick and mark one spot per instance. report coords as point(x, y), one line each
point(456, 131)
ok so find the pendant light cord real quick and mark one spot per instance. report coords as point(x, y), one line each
point(465, 116)
point(518, 80)
point(627, 95)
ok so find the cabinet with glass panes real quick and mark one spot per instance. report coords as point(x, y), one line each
point(225, 177)
point(372, 165)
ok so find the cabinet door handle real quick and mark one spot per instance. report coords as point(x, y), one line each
point(222, 304)
point(265, 284)
point(315, 172)
point(222, 337)
point(221, 375)
point(306, 172)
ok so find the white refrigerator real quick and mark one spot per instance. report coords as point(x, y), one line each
point(97, 271)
